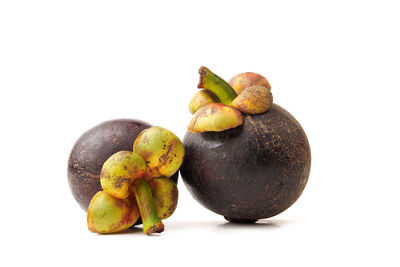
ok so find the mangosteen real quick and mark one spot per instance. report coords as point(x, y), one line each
point(244, 172)
point(93, 148)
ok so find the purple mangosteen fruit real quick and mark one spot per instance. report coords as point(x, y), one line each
point(246, 158)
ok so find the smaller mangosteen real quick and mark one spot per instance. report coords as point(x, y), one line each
point(93, 148)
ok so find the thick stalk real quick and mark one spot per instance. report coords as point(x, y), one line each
point(151, 221)
point(222, 89)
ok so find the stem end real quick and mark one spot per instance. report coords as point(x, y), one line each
point(217, 85)
point(158, 228)
point(144, 198)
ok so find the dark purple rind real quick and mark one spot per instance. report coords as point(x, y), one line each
point(251, 172)
point(92, 149)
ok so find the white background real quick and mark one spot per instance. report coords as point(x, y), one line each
point(66, 66)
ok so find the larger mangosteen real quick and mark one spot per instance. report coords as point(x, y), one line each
point(244, 165)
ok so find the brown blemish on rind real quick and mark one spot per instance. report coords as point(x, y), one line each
point(266, 187)
point(120, 181)
point(165, 157)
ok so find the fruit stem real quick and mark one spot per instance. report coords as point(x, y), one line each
point(151, 221)
point(212, 82)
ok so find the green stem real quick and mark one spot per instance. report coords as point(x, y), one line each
point(148, 211)
point(222, 89)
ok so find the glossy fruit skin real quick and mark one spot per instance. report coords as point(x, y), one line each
point(254, 171)
point(92, 149)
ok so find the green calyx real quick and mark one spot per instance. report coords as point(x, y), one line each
point(136, 184)
point(247, 93)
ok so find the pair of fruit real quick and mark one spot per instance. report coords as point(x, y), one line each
point(136, 184)
point(247, 173)
point(219, 105)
